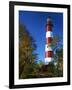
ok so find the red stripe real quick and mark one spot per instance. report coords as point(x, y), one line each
point(48, 40)
point(49, 54)
point(48, 28)
point(49, 23)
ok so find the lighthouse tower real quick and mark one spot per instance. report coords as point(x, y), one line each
point(49, 38)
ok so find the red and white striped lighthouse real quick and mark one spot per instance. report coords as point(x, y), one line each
point(49, 38)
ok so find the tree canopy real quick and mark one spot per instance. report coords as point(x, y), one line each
point(26, 56)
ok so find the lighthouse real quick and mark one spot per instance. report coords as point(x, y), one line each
point(49, 38)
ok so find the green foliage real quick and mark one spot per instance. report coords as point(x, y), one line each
point(41, 63)
point(58, 55)
point(60, 62)
point(26, 56)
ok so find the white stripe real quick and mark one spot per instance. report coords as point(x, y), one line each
point(48, 48)
point(47, 60)
point(49, 34)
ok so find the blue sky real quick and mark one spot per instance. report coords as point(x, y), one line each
point(35, 23)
